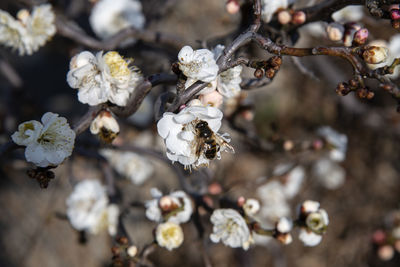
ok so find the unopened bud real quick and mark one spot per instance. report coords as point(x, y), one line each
point(115, 250)
point(396, 24)
point(288, 145)
point(360, 37)
point(232, 6)
point(299, 17)
point(132, 251)
point(362, 92)
point(23, 15)
point(370, 95)
point(165, 203)
point(284, 17)
point(335, 31)
point(241, 200)
point(379, 237)
point(386, 252)
point(397, 245)
point(214, 189)
point(342, 89)
point(275, 61)
point(258, 73)
point(285, 239)
point(375, 54)
point(122, 240)
point(395, 14)
point(317, 144)
point(270, 73)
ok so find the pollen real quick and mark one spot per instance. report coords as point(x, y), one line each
point(118, 66)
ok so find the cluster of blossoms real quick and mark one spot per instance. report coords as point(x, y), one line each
point(89, 210)
point(313, 221)
point(387, 240)
point(108, 17)
point(169, 211)
point(29, 31)
point(100, 78)
point(47, 143)
point(236, 229)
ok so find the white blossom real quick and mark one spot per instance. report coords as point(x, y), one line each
point(335, 139)
point(350, 13)
point(130, 165)
point(169, 235)
point(309, 238)
point(88, 208)
point(230, 228)
point(103, 78)
point(329, 173)
point(182, 138)
point(309, 206)
point(197, 64)
point(47, 143)
point(393, 47)
point(28, 32)
point(108, 17)
point(284, 225)
point(179, 211)
point(251, 206)
point(273, 201)
point(269, 7)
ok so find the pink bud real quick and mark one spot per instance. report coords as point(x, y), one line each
point(241, 200)
point(386, 252)
point(232, 6)
point(317, 144)
point(360, 36)
point(299, 17)
point(165, 203)
point(395, 14)
point(379, 237)
point(284, 17)
point(214, 189)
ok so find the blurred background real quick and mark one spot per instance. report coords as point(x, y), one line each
point(290, 110)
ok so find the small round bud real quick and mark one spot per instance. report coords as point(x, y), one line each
point(299, 17)
point(342, 89)
point(248, 115)
point(288, 145)
point(379, 237)
point(362, 92)
point(258, 73)
point(317, 144)
point(335, 31)
point(360, 37)
point(132, 251)
point(354, 83)
point(370, 95)
point(396, 24)
point(386, 252)
point(395, 14)
point(275, 61)
point(214, 189)
point(284, 17)
point(165, 203)
point(241, 200)
point(232, 6)
point(115, 250)
point(375, 54)
point(270, 73)
point(122, 240)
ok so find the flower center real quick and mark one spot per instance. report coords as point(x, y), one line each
point(117, 65)
point(169, 233)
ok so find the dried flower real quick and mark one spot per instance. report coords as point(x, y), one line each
point(47, 143)
point(103, 78)
point(88, 208)
point(169, 235)
point(230, 228)
point(29, 31)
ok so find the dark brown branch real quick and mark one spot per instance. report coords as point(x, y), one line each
point(86, 119)
point(71, 30)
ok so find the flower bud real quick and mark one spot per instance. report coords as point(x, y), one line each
point(105, 126)
point(232, 6)
point(360, 37)
point(299, 17)
point(395, 14)
point(284, 17)
point(335, 31)
point(132, 251)
point(285, 239)
point(259, 73)
point(251, 206)
point(165, 203)
point(386, 252)
point(375, 54)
